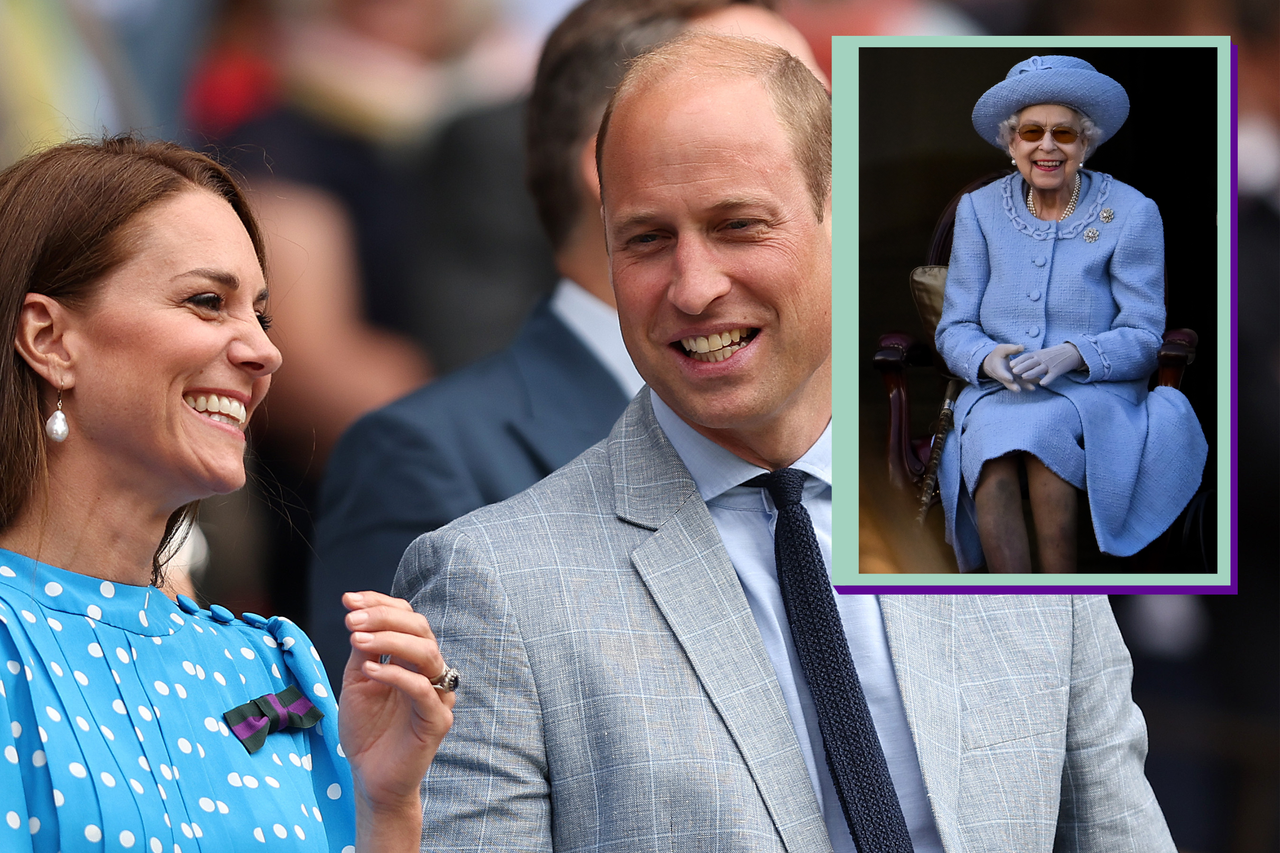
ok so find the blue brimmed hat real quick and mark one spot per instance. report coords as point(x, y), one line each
point(1052, 80)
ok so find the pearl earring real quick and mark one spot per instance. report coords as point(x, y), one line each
point(56, 427)
point(1013, 160)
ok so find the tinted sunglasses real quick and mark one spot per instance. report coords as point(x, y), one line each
point(1061, 134)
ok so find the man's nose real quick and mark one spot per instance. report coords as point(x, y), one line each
point(697, 280)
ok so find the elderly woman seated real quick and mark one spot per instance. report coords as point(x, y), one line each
point(1053, 313)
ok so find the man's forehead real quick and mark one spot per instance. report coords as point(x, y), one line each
point(689, 109)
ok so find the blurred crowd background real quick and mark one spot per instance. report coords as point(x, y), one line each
point(383, 138)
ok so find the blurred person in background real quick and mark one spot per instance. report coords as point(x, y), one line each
point(333, 168)
point(493, 429)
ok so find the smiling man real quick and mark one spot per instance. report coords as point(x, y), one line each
point(721, 254)
point(652, 654)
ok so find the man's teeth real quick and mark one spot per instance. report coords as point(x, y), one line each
point(227, 410)
point(716, 347)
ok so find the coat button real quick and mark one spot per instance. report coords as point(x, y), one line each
point(1034, 331)
point(1034, 296)
point(1038, 260)
point(254, 619)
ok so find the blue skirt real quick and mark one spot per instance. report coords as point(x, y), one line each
point(1041, 422)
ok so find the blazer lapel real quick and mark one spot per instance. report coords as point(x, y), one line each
point(921, 631)
point(573, 399)
point(688, 573)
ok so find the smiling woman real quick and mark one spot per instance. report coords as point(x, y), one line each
point(132, 284)
point(1053, 314)
point(180, 318)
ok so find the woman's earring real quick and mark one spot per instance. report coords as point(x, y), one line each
point(56, 427)
point(1013, 160)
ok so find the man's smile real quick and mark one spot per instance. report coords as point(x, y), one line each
point(717, 347)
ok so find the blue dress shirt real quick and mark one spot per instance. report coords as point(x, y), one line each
point(745, 518)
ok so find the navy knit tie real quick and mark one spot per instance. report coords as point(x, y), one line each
point(854, 756)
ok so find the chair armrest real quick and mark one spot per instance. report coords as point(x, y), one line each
point(896, 351)
point(1177, 351)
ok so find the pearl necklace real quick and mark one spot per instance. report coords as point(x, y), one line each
point(1071, 205)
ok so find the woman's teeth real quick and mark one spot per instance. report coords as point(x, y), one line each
point(714, 348)
point(227, 410)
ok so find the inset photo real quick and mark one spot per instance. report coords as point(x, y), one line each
point(1033, 251)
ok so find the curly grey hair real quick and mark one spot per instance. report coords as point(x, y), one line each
point(1090, 131)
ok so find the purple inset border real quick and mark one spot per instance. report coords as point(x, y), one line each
point(1235, 184)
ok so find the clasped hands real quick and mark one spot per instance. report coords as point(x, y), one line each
point(1020, 373)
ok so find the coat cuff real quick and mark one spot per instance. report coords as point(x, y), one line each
point(1095, 359)
point(979, 355)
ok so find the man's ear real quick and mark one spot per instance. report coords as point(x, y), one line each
point(42, 339)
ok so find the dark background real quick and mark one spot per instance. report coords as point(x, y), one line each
point(918, 148)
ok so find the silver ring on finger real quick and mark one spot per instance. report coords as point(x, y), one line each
point(447, 681)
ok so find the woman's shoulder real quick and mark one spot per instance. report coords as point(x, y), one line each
point(86, 622)
point(251, 639)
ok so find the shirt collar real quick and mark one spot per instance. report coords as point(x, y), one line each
point(595, 324)
point(716, 470)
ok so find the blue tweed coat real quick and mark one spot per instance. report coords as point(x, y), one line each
point(1095, 280)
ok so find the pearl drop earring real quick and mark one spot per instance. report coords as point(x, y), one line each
point(56, 427)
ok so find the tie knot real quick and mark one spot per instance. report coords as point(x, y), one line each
point(785, 485)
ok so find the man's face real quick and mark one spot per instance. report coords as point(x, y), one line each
point(721, 266)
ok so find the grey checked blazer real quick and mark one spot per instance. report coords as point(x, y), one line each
point(616, 695)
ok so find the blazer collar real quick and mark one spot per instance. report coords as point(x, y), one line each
point(573, 400)
point(687, 571)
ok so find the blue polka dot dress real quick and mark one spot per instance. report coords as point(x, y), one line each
point(112, 734)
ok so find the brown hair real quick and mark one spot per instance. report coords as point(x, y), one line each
point(801, 104)
point(583, 59)
point(65, 216)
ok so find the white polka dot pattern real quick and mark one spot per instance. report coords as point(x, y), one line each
point(131, 661)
